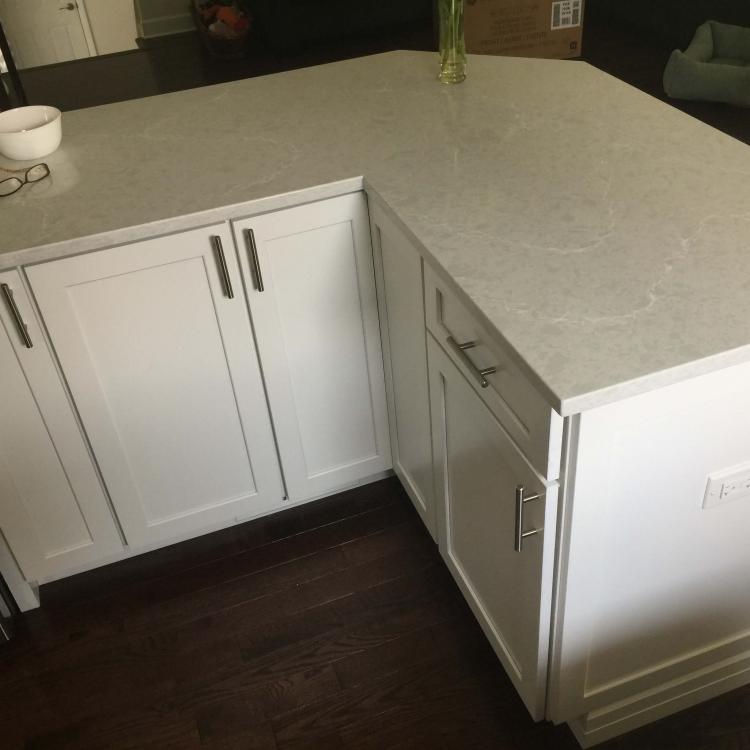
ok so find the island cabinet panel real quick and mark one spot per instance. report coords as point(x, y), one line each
point(53, 510)
point(398, 267)
point(155, 342)
point(478, 471)
point(655, 611)
point(310, 283)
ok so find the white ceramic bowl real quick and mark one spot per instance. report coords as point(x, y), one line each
point(30, 132)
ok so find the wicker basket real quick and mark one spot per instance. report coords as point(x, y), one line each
point(221, 46)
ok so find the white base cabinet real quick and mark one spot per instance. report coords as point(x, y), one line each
point(398, 269)
point(311, 289)
point(155, 343)
point(506, 581)
point(53, 510)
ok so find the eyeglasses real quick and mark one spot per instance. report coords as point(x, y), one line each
point(11, 185)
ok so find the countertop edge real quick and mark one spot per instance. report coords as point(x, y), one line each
point(159, 227)
point(566, 406)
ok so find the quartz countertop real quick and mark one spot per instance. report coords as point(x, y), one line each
point(603, 235)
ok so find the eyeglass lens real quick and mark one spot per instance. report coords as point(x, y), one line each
point(37, 172)
point(9, 186)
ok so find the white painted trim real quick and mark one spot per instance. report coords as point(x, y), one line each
point(167, 25)
point(86, 24)
point(26, 594)
point(624, 716)
point(571, 426)
point(129, 552)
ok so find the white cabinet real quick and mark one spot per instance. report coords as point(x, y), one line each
point(159, 357)
point(311, 289)
point(402, 319)
point(53, 511)
point(477, 471)
point(656, 614)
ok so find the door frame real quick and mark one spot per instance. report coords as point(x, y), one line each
point(86, 24)
point(88, 34)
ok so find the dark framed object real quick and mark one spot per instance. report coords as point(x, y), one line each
point(16, 97)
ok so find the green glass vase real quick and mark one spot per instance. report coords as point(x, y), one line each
point(452, 45)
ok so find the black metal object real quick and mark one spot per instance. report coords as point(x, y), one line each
point(17, 96)
point(8, 611)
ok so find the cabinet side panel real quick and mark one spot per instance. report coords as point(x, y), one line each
point(39, 512)
point(657, 580)
point(402, 275)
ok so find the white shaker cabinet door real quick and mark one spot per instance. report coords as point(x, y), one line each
point(311, 287)
point(401, 301)
point(155, 342)
point(478, 470)
point(53, 510)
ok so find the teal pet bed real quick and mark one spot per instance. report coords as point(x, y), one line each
point(715, 67)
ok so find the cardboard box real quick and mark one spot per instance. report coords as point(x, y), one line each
point(524, 28)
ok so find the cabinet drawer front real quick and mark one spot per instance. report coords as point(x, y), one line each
point(528, 418)
point(478, 470)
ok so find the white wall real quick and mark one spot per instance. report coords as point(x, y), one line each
point(112, 25)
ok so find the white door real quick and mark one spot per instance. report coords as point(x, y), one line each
point(477, 472)
point(42, 32)
point(312, 298)
point(53, 510)
point(161, 364)
point(401, 301)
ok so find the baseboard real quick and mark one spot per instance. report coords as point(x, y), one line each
point(166, 25)
point(129, 552)
point(664, 700)
point(25, 593)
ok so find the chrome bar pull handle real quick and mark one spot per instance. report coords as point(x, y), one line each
point(521, 500)
point(253, 248)
point(222, 261)
point(23, 329)
point(460, 350)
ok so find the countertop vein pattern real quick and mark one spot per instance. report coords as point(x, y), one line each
point(604, 235)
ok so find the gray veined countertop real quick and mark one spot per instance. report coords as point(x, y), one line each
point(603, 234)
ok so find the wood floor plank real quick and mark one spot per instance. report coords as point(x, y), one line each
point(263, 698)
point(395, 606)
point(145, 728)
point(260, 737)
point(257, 613)
point(389, 700)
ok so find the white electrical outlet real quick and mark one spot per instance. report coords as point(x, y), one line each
point(727, 485)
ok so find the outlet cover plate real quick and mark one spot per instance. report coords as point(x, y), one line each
point(727, 485)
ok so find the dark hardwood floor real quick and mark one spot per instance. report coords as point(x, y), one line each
point(332, 625)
